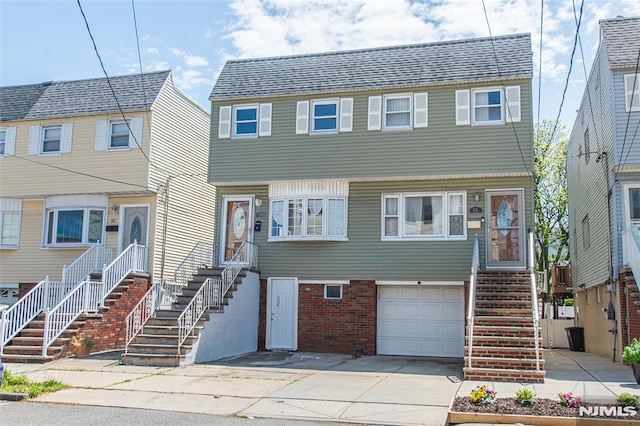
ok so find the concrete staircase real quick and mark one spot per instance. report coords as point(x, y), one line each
point(27, 345)
point(503, 342)
point(157, 343)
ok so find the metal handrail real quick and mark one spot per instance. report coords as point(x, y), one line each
point(161, 295)
point(200, 256)
point(88, 262)
point(212, 292)
point(475, 266)
point(132, 259)
point(534, 297)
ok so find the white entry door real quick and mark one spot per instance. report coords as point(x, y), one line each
point(282, 313)
point(135, 225)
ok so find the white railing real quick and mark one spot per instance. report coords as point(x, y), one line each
point(212, 292)
point(534, 297)
point(475, 266)
point(86, 297)
point(90, 261)
point(133, 259)
point(201, 256)
point(40, 298)
point(160, 296)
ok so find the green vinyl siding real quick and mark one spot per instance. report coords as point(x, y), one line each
point(441, 149)
point(365, 255)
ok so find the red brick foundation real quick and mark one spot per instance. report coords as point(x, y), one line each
point(346, 325)
point(627, 297)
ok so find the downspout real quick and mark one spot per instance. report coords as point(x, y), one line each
point(165, 221)
point(612, 273)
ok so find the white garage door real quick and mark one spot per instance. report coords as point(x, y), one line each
point(422, 321)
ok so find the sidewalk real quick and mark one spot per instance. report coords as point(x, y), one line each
point(310, 386)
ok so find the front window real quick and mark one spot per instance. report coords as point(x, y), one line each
point(119, 137)
point(308, 218)
point(632, 92)
point(9, 229)
point(245, 121)
point(325, 116)
point(74, 226)
point(487, 106)
point(51, 139)
point(397, 112)
point(3, 140)
point(423, 216)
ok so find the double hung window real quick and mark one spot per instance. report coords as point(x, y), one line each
point(245, 121)
point(325, 116)
point(51, 139)
point(423, 216)
point(10, 216)
point(397, 112)
point(119, 135)
point(632, 92)
point(308, 218)
point(487, 106)
point(3, 141)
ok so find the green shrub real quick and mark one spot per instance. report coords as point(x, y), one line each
point(568, 302)
point(627, 400)
point(631, 353)
point(525, 397)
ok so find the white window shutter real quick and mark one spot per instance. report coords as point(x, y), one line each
point(420, 110)
point(512, 96)
point(135, 134)
point(346, 114)
point(10, 141)
point(66, 134)
point(375, 113)
point(302, 117)
point(101, 134)
point(224, 122)
point(34, 140)
point(265, 120)
point(463, 108)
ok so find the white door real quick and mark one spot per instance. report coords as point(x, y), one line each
point(282, 313)
point(421, 321)
point(135, 225)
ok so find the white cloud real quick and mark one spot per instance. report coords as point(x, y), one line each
point(154, 65)
point(195, 61)
point(188, 79)
point(153, 51)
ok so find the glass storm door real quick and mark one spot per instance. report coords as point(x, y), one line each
point(134, 227)
point(505, 233)
point(237, 229)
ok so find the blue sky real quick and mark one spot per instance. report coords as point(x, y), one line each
point(48, 40)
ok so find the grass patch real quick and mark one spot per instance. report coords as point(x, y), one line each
point(20, 384)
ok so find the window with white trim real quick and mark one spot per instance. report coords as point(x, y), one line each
point(397, 112)
point(324, 116)
point(119, 134)
point(332, 291)
point(404, 111)
point(632, 92)
point(3, 140)
point(412, 216)
point(74, 226)
point(308, 218)
point(10, 218)
point(244, 121)
point(488, 105)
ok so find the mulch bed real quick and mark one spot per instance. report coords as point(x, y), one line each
point(542, 407)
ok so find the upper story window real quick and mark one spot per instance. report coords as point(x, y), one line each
point(7, 141)
point(632, 92)
point(242, 121)
point(485, 106)
point(321, 216)
point(10, 217)
point(324, 116)
point(46, 140)
point(398, 111)
point(74, 220)
point(118, 134)
point(423, 216)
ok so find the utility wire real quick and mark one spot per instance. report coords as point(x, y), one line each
point(495, 55)
point(144, 92)
point(540, 59)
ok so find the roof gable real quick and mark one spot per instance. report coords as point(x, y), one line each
point(621, 36)
point(388, 67)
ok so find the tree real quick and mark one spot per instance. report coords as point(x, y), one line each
point(550, 194)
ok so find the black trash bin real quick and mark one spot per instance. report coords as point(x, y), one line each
point(575, 335)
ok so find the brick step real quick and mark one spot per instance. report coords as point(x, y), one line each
point(490, 330)
point(30, 350)
point(498, 320)
point(503, 375)
point(504, 286)
point(502, 304)
point(504, 363)
point(502, 351)
point(26, 359)
point(504, 312)
point(506, 295)
point(156, 360)
point(504, 341)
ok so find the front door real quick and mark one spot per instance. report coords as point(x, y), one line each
point(135, 220)
point(237, 225)
point(505, 229)
point(282, 313)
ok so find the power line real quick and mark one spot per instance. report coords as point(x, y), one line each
point(540, 59)
point(495, 55)
point(144, 92)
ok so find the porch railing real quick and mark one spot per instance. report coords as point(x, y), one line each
point(534, 297)
point(90, 261)
point(90, 295)
point(160, 296)
point(201, 256)
point(475, 266)
point(86, 297)
point(212, 292)
point(45, 294)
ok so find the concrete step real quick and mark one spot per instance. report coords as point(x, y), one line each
point(158, 349)
point(27, 359)
point(30, 350)
point(156, 360)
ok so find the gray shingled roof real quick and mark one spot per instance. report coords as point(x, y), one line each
point(81, 97)
point(381, 68)
point(621, 36)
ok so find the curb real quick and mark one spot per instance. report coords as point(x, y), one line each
point(9, 396)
